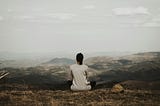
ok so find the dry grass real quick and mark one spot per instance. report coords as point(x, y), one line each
point(99, 97)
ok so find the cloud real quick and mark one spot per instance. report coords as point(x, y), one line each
point(148, 19)
point(154, 22)
point(89, 7)
point(151, 24)
point(38, 9)
point(45, 17)
point(131, 11)
point(44, 21)
point(24, 17)
point(156, 18)
point(1, 18)
point(61, 16)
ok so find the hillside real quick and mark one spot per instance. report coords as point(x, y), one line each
point(139, 67)
point(46, 84)
point(60, 61)
point(142, 66)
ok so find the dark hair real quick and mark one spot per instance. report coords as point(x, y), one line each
point(79, 58)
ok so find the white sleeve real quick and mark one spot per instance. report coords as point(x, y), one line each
point(69, 74)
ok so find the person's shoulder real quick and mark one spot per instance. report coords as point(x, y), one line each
point(73, 65)
point(85, 66)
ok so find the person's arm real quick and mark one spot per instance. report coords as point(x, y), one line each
point(69, 78)
point(69, 75)
point(87, 75)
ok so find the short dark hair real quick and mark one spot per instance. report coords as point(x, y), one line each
point(79, 58)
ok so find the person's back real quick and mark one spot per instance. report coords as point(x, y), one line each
point(78, 74)
point(79, 81)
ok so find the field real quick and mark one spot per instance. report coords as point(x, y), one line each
point(97, 97)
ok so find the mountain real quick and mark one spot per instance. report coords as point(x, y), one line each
point(140, 66)
point(20, 63)
point(60, 61)
point(109, 63)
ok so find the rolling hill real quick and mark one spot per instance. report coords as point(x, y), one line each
point(139, 67)
point(60, 61)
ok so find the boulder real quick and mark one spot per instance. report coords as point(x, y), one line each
point(117, 88)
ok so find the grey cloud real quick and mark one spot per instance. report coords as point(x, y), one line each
point(45, 17)
point(61, 16)
point(151, 24)
point(24, 17)
point(90, 25)
point(89, 7)
point(131, 11)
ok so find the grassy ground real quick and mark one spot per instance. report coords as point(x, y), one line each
point(98, 97)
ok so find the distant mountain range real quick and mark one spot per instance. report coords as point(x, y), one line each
point(139, 67)
point(104, 62)
point(60, 61)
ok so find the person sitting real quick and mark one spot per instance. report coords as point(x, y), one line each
point(78, 76)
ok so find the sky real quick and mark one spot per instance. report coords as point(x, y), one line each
point(79, 25)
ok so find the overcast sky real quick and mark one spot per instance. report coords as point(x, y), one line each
point(79, 25)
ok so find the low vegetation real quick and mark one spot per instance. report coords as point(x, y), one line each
point(98, 97)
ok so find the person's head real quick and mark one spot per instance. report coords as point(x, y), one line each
point(79, 58)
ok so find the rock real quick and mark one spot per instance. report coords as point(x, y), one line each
point(117, 88)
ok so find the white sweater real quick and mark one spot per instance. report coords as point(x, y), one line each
point(78, 74)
